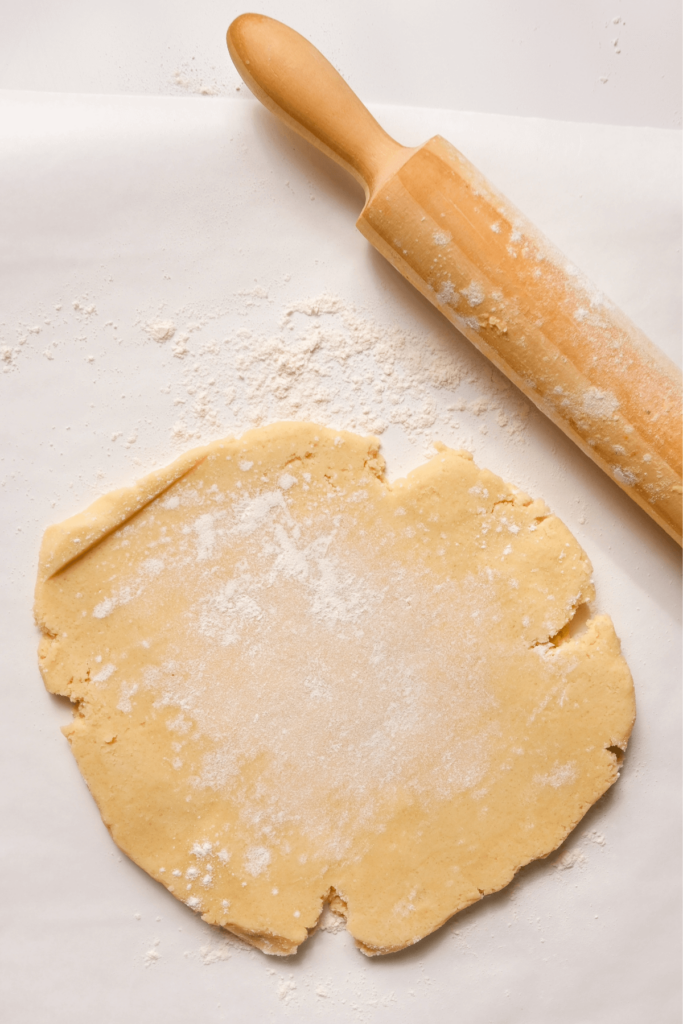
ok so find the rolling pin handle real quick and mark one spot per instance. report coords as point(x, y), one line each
point(293, 79)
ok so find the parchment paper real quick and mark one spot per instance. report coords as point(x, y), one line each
point(122, 211)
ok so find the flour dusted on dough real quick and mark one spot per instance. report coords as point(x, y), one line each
point(304, 594)
point(296, 684)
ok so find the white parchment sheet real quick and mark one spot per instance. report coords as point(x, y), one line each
point(118, 213)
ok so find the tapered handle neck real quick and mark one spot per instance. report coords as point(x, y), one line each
point(297, 83)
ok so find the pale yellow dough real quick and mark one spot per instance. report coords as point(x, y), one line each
point(295, 683)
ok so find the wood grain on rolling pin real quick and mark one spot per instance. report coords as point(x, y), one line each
point(490, 271)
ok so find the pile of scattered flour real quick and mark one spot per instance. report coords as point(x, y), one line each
point(174, 377)
point(326, 362)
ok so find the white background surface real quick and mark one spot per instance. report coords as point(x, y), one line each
point(142, 205)
point(534, 58)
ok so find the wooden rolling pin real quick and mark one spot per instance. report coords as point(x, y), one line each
point(489, 270)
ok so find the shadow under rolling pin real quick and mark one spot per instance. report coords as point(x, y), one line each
point(461, 243)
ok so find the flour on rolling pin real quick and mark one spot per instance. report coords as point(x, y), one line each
point(490, 271)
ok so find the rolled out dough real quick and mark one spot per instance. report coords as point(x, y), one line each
point(296, 684)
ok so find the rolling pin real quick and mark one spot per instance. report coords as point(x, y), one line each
point(480, 261)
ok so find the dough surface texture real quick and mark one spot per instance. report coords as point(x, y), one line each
point(295, 683)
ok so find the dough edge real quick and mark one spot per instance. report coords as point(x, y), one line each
point(110, 512)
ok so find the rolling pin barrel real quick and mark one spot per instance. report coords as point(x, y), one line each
point(520, 302)
point(445, 228)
